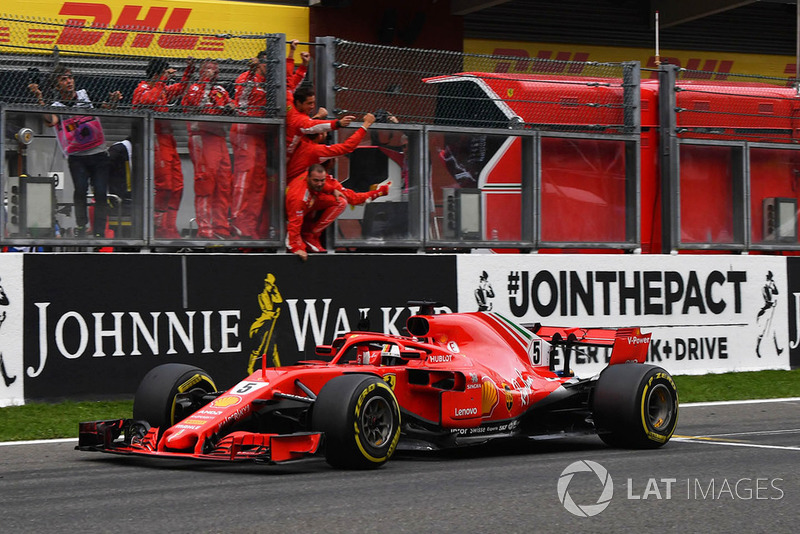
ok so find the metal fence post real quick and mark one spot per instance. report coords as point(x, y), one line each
point(325, 69)
point(631, 86)
point(668, 158)
point(276, 74)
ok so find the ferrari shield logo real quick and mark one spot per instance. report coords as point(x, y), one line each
point(390, 379)
point(509, 398)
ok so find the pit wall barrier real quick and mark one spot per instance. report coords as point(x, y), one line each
point(70, 332)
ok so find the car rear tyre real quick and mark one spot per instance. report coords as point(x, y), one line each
point(635, 406)
point(360, 418)
point(171, 392)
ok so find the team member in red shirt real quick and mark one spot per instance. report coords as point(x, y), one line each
point(154, 94)
point(209, 152)
point(249, 143)
point(313, 202)
point(299, 121)
point(310, 149)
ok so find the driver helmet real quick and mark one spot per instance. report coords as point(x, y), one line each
point(390, 350)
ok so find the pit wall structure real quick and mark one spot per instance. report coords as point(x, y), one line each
point(87, 326)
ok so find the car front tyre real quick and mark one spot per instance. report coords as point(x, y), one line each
point(360, 418)
point(169, 393)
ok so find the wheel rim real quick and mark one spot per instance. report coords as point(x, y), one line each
point(185, 404)
point(659, 407)
point(376, 421)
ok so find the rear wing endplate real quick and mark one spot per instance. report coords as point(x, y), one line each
point(627, 344)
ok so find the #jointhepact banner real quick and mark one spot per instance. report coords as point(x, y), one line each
point(706, 313)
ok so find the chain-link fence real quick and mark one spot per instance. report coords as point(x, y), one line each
point(32, 50)
point(740, 107)
point(455, 89)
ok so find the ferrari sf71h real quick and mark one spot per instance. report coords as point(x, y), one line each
point(456, 379)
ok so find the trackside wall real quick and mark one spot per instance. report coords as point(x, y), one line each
point(78, 335)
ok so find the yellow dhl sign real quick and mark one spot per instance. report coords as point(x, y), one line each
point(146, 27)
point(710, 65)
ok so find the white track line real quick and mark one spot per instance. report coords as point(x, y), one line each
point(733, 403)
point(38, 441)
point(754, 433)
point(699, 439)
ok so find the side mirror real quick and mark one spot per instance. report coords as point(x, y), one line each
point(412, 354)
point(324, 350)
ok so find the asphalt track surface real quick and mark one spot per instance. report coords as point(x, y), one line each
point(731, 468)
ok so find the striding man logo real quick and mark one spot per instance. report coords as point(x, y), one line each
point(269, 300)
point(4, 302)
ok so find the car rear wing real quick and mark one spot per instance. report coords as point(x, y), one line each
point(627, 344)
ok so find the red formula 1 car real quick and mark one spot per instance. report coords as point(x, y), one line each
point(457, 379)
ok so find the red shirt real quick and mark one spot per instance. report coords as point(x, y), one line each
point(300, 200)
point(309, 152)
point(204, 97)
point(293, 77)
point(157, 96)
point(250, 98)
point(299, 124)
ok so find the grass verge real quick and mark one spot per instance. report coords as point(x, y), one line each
point(48, 421)
point(739, 386)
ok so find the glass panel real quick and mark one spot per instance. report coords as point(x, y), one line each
point(92, 188)
point(707, 194)
point(381, 158)
point(773, 195)
point(216, 181)
point(583, 197)
point(476, 187)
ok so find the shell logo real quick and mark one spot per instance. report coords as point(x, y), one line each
point(226, 401)
point(488, 397)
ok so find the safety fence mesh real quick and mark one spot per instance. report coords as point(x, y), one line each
point(107, 58)
point(736, 107)
point(469, 90)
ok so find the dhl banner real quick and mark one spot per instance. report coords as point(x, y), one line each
point(714, 65)
point(176, 27)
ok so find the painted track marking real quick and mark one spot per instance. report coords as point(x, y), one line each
point(712, 441)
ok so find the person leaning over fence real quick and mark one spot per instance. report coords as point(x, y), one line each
point(155, 94)
point(311, 149)
point(249, 143)
point(313, 201)
point(82, 141)
point(299, 121)
point(208, 149)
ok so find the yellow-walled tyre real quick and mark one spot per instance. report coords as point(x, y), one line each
point(360, 418)
point(169, 393)
point(635, 406)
